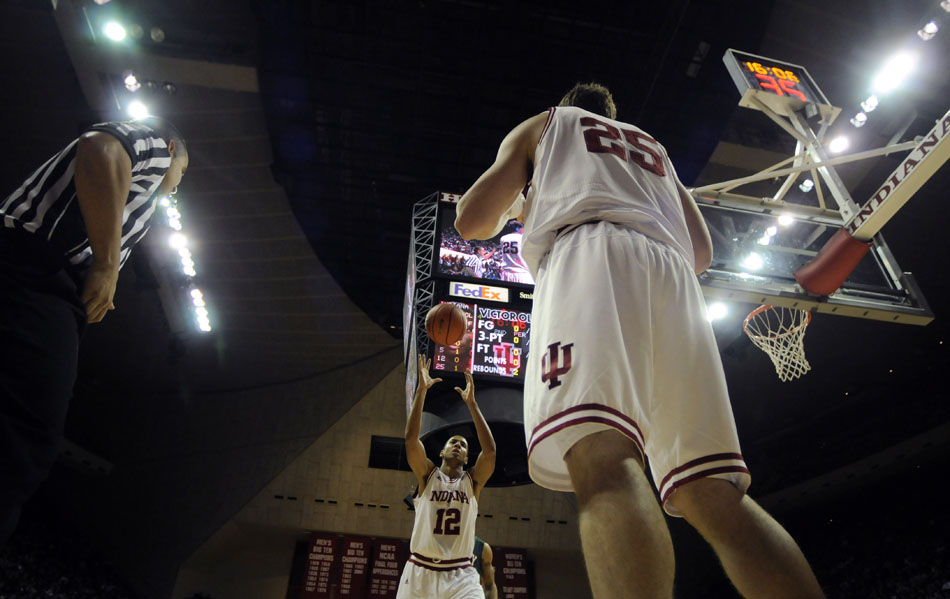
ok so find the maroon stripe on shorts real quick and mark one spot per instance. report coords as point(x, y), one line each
point(592, 406)
point(716, 457)
point(701, 474)
point(598, 419)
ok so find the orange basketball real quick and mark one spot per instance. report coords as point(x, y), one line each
point(446, 323)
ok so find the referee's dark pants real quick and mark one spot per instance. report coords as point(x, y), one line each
point(41, 321)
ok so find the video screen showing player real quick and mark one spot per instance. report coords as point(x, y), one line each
point(495, 344)
point(495, 259)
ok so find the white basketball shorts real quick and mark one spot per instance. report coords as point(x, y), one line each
point(620, 340)
point(425, 579)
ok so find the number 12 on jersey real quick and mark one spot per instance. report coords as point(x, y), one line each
point(448, 521)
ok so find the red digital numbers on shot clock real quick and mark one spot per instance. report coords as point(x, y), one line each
point(776, 80)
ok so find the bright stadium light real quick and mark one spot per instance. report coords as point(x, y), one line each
point(765, 240)
point(114, 31)
point(870, 103)
point(893, 73)
point(771, 231)
point(928, 31)
point(177, 241)
point(859, 120)
point(137, 110)
point(945, 4)
point(716, 311)
point(786, 220)
point(131, 82)
point(753, 261)
point(807, 185)
point(838, 144)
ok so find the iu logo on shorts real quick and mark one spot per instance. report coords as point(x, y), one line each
point(550, 370)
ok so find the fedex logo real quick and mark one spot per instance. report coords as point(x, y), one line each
point(495, 294)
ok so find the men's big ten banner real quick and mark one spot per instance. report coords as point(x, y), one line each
point(320, 556)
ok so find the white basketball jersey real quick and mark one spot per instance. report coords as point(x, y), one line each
point(445, 517)
point(591, 168)
point(514, 268)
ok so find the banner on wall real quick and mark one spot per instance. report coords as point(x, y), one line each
point(321, 554)
point(511, 572)
point(389, 558)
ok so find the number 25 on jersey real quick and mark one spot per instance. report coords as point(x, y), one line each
point(604, 138)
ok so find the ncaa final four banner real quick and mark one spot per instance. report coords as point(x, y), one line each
point(389, 557)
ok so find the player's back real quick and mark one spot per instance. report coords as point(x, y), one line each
point(592, 168)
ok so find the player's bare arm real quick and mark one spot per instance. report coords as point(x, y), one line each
point(487, 202)
point(103, 176)
point(485, 464)
point(488, 573)
point(415, 452)
point(698, 233)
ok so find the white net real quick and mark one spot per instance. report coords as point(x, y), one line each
point(780, 333)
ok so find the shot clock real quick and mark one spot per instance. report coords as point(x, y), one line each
point(781, 86)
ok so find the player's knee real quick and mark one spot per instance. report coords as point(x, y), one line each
point(705, 495)
point(602, 461)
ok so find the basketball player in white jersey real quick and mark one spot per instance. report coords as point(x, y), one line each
point(624, 364)
point(514, 268)
point(440, 565)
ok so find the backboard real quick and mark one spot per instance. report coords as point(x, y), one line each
point(764, 230)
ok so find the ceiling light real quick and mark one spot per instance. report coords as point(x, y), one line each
point(807, 185)
point(196, 293)
point(838, 144)
point(859, 119)
point(786, 220)
point(771, 231)
point(137, 110)
point(894, 71)
point(114, 31)
point(753, 261)
point(177, 240)
point(945, 4)
point(716, 311)
point(870, 104)
point(927, 32)
point(131, 83)
point(764, 240)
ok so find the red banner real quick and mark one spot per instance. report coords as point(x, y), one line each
point(511, 572)
point(389, 558)
point(320, 557)
point(353, 571)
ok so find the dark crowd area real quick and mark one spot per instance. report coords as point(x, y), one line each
point(47, 559)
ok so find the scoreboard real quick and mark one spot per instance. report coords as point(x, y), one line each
point(487, 279)
point(494, 345)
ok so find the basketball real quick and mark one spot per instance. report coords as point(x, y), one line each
point(446, 323)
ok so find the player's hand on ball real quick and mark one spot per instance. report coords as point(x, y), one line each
point(468, 394)
point(425, 381)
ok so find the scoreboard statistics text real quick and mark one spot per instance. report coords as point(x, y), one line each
point(496, 343)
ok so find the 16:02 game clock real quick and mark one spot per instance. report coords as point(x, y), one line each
point(781, 86)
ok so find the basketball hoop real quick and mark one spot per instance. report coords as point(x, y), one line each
point(780, 333)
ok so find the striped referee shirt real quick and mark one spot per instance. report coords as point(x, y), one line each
point(46, 203)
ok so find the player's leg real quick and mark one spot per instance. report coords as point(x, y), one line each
point(39, 344)
point(626, 543)
point(759, 556)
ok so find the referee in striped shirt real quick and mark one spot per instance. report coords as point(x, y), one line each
point(64, 235)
